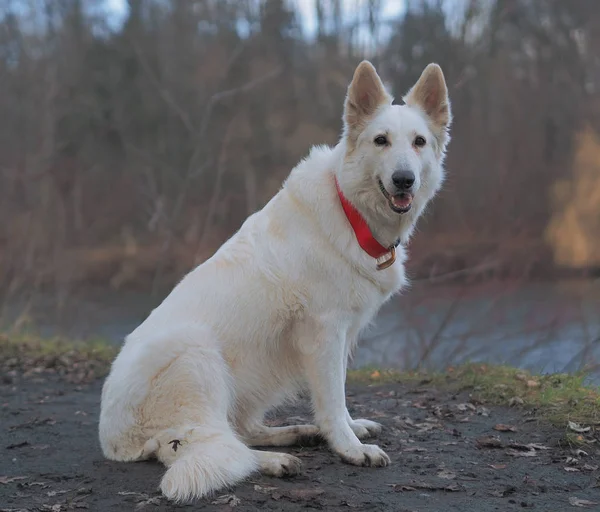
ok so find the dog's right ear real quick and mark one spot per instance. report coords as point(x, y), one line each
point(366, 94)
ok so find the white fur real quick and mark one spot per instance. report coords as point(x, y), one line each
point(277, 309)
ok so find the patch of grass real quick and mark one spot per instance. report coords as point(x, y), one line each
point(373, 375)
point(559, 398)
point(29, 354)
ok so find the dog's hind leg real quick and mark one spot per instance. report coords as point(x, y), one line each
point(277, 464)
point(187, 405)
point(202, 460)
point(293, 435)
point(254, 432)
point(364, 428)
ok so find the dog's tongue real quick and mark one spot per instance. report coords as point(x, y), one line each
point(401, 200)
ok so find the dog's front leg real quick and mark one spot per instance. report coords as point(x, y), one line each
point(363, 428)
point(324, 370)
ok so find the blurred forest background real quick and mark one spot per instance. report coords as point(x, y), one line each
point(136, 136)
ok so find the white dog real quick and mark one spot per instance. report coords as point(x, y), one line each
point(279, 307)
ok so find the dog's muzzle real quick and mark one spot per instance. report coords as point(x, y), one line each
point(400, 202)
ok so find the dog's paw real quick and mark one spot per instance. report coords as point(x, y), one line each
point(365, 455)
point(280, 465)
point(365, 428)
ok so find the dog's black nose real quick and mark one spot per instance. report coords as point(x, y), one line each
point(404, 180)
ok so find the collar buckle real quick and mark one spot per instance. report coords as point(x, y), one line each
point(387, 260)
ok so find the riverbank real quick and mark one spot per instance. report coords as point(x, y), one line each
point(542, 327)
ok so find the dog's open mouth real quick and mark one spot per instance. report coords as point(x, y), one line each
point(399, 203)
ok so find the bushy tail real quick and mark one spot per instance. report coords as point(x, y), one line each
point(202, 461)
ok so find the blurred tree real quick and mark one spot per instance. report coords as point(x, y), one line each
point(166, 130)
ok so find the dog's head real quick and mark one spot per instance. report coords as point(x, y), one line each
point(394, 153)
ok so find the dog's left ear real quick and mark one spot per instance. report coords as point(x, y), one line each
point(366, 94)
point(431, 95)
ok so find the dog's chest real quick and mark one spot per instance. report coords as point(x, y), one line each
point(364, 292)
point(380, 285)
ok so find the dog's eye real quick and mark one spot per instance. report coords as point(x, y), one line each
point(381, 140)
point(419, 141)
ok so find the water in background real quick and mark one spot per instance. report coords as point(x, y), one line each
point(544, 327)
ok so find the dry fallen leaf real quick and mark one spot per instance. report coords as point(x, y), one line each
point(376, 374)
point(488, 442)
point(527, 447)
point(589, 467)
point(442, 411)
point(576, 502)
point(413, 486)
point(426, 427)
point(227, 499)
point(402, 488)
point(519, 453)
point(10, 479)
point(53, 508)
point(498, 466)
point(570, 469)
point(150, 501)
point(305, 494)
point(43, 485)
point(264, 490)
point(446, 475)
point(51, 494)
point(452, 488)
point(404, 423)
point(538, 446)
point(525, 450)
point(578, 428)
point(501, 427)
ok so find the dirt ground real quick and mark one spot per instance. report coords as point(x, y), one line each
point(448, 453)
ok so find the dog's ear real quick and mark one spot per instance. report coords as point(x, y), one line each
point(366, 94)
point(431, 95)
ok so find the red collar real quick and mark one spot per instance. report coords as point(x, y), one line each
point(365, 238)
